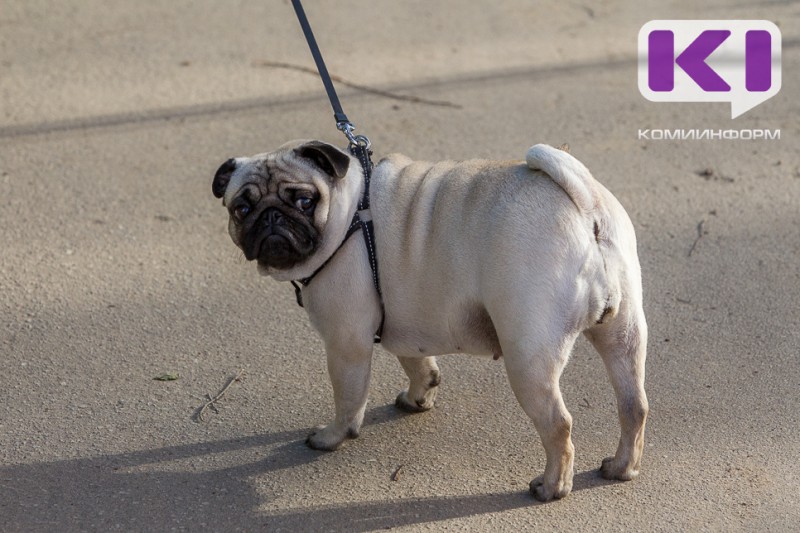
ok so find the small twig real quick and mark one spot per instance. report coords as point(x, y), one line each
point(357, 86)
point(396, 474)
point(585, 401)
point(700, 233)
point(212, 401)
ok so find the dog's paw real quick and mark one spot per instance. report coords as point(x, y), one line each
point(545, 492)
point(404, 403)
point(612, 469)
point(329, 438)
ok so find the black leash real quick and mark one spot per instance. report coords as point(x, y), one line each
point(342, 123)
point(360, 148)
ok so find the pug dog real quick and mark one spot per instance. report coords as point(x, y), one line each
point(508, 259)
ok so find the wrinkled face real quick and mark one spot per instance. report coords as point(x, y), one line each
point(279, 202)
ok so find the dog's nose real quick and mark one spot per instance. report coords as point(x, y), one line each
point(274, 217)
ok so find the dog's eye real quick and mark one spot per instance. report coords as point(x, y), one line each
point(241, 212)
point(304, 203)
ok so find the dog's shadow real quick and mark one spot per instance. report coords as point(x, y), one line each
point(209, 486)
point(386, 514)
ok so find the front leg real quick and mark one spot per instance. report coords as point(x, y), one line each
point(349, 370)
point(344, 307)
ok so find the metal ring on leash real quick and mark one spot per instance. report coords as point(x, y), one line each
point(355, 140)
point(362, 140)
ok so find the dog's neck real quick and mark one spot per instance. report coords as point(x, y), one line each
point(361, 221)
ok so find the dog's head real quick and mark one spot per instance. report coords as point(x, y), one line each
point(287, 208)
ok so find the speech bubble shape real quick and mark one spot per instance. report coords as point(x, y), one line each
point(736, 61)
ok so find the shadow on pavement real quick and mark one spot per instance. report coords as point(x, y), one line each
point(385, 514)
point(152, 490)
point(116, 492)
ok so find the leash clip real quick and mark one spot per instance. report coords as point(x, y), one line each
point(355, 140)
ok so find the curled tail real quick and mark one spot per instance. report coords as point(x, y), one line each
point(569, 173)
point(586, 193)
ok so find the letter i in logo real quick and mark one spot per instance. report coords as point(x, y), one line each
point(758, 51)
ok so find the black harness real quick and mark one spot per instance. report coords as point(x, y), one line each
point(358, 223)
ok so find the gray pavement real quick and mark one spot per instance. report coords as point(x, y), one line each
point(116, 267)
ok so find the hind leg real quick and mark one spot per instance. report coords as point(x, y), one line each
point(424, 378)
point(622, 344)
point(534, 373)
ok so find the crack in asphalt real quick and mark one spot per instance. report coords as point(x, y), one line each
point(248, 104)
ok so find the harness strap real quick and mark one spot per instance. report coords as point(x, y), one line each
point(355, 225)
point(367, 230)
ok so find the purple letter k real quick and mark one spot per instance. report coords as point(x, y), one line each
point(693, 60)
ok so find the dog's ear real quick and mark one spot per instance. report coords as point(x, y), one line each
point(327, 157)
point(223, 177)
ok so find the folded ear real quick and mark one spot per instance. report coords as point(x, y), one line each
point(223, 177)
point(327, 157)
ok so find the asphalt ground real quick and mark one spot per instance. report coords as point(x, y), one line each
point(116, 267)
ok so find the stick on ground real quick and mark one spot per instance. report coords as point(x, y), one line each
point(700, 232)
point(199, 416)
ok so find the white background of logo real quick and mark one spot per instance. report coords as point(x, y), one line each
point(728, 61)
